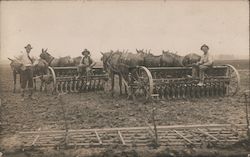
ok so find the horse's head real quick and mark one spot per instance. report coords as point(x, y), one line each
point(46, 56)
point(141, 52)
point(105, 58)
point(166, 52)
point(171, 59)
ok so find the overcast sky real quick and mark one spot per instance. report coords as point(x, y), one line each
point(66, 28)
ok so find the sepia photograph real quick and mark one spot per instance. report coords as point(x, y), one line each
point(124, 78)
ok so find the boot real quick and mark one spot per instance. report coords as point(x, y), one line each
point(201, 82)
point(22, 94)
point(31, 94)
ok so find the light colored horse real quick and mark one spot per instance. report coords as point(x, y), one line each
point(119, 63)
point(110, 64)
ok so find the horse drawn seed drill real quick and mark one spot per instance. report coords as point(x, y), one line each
point(146, 81)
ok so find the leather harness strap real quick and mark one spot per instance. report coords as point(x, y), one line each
point(51, 60)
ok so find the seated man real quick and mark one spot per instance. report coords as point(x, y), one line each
point(205, 62)
point(86, 63)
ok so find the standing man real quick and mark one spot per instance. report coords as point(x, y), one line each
point(86, 63)
point(205, 63)
point(26, 73)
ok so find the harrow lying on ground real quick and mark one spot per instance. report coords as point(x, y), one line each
point(171, 136)
point(178, 82)
point(65, 79)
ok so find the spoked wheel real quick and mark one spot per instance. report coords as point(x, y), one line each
point(142, 88)
point(50, 80)
point(234, 80)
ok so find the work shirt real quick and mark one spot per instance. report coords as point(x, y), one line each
point(207, 59)
point(26, 59)
point(86, 61)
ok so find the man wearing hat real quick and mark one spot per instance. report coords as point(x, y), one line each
point(86, 63)
point(205, 62)
point(26, 73)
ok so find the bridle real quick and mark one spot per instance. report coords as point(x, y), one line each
point(108, 58)
point(51, 58)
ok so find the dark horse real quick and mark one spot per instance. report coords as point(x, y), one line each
point(59, 62)
point(166, 59)
point(170, 59)
point(191, 59)
point(119, 63)
point(149, 60)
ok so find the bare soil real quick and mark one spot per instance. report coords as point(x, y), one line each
point(99, 110)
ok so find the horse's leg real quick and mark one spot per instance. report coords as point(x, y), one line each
point(112, 83)
point(14, 81)
point(120, 83)
point(45, 85)
point(126, 90)
point(42, 82)
point(34, 80)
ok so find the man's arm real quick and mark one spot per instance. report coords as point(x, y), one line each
point(209, 61)
point(81, 61)
point(93, 63)
point(200, 62)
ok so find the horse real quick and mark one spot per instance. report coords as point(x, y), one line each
point(150, 60)
point(76, 61)
point(40, 69)
point(16, 69)
point(170, 59)
point(56, 62)
point(110, 61)
point(119, 63)
point(191, 59)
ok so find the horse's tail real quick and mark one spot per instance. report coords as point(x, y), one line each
point(11, 59)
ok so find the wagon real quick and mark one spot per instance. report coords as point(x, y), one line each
point(178, 82)
point(65, 79)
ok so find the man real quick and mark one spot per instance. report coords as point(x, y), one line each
point(86, 63)
point(205, 62)
point(26, 73)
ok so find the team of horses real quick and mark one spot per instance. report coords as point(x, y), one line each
point(120, 63)
point(114, 62)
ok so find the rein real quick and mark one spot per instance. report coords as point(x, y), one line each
point(107, 62)
point(51, 60)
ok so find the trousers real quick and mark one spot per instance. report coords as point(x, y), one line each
point(199, 70)
point(26, 76)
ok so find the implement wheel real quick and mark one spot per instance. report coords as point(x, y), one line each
point(52, 80)
point(143, 83)
point(234, 80)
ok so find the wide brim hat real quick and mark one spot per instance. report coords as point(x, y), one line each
point(204, 45)
point(85, 51)
point(28, 47)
